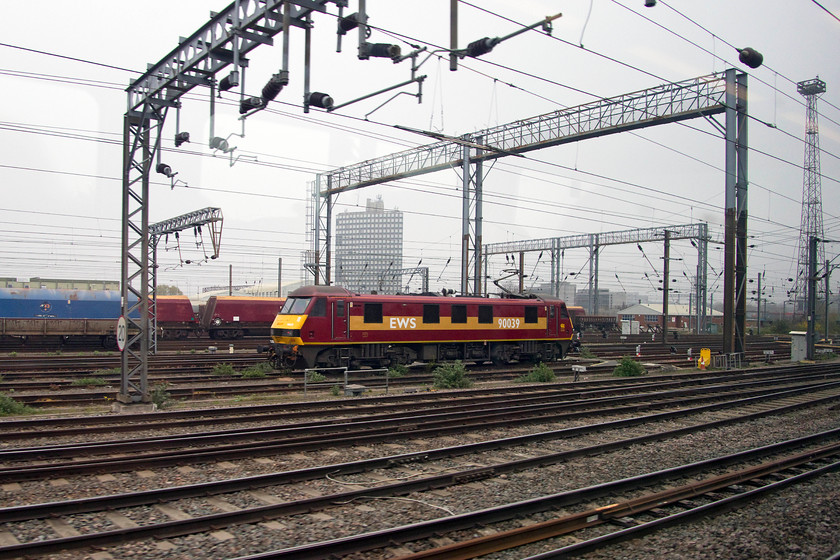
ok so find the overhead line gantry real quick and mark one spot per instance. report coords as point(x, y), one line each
point(705, 96)
point(594, 241)
point(223, 41)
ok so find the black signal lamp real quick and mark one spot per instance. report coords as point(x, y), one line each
point(181, 137)
point(229, 82)
point(345, 24)
point(481, 46)
point(164, 169)
point(322, 100)
point(380, 50)
point(217, 143)
point(750, 57)
point(275, 85)
point(249, 104)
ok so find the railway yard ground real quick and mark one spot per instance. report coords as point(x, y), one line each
point(739, 463)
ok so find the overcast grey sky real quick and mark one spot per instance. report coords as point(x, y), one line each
point(61, 131)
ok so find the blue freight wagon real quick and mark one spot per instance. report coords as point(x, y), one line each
point(59, 304)
point(37, 312)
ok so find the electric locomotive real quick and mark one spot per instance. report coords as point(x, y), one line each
point(329, 326)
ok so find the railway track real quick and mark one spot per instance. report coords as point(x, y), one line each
point(55, 366)
point(59, 345)
point(194, 385)
point(626, 519)
point(594, 422)
point(41, 462)
point(62, 381)
point(56, 427)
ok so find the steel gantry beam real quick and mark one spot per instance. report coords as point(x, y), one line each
point(704, 96)
point(209, 215)
point(206, 216)
point(423, 271)
point(668, 103)
point(224, 40)
point(228, 36)
point(697, 233)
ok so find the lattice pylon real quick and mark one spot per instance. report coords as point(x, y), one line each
point(812, 215)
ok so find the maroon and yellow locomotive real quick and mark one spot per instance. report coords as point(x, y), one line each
point(329, 326)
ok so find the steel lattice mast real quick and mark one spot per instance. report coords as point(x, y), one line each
point(222, 42)
point(812, 215)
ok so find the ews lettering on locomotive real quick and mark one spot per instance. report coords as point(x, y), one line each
point(403, 322)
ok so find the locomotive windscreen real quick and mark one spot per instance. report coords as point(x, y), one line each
point(295, 306)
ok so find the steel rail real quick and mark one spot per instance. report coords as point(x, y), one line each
point(54, 427)
point(464, 414)
point(706, 509)
point(388, 537)
point(506, 540)
point(576, 388)
point(52, 398)
point(183, 527)
point(306, 443)
point(16, 429)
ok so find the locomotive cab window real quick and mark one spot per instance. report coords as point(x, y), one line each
point(531, 314)
point(459, 313)
point(551, 312)
point(431, 313)
point(485, 314)
point(339, 308)
point(373, 313)
point(319, 308)
point(564, 313)
point(295, 306)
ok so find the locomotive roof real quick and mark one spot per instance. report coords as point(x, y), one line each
point(338, 291)
point(309, 291)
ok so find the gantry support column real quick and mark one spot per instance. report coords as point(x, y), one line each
point(593, 274)
point(666, 279)
point(741, 223)
point(701, 286)
point(138, 156)
point(471, 219)
point(735, 232)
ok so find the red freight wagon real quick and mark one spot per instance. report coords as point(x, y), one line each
point(328, 326)
point(175, 317)
point(237, 316)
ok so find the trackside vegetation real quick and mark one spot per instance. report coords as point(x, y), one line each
point(9, 406)
point(541, 373)
point(628, 367)
point(451, 376)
